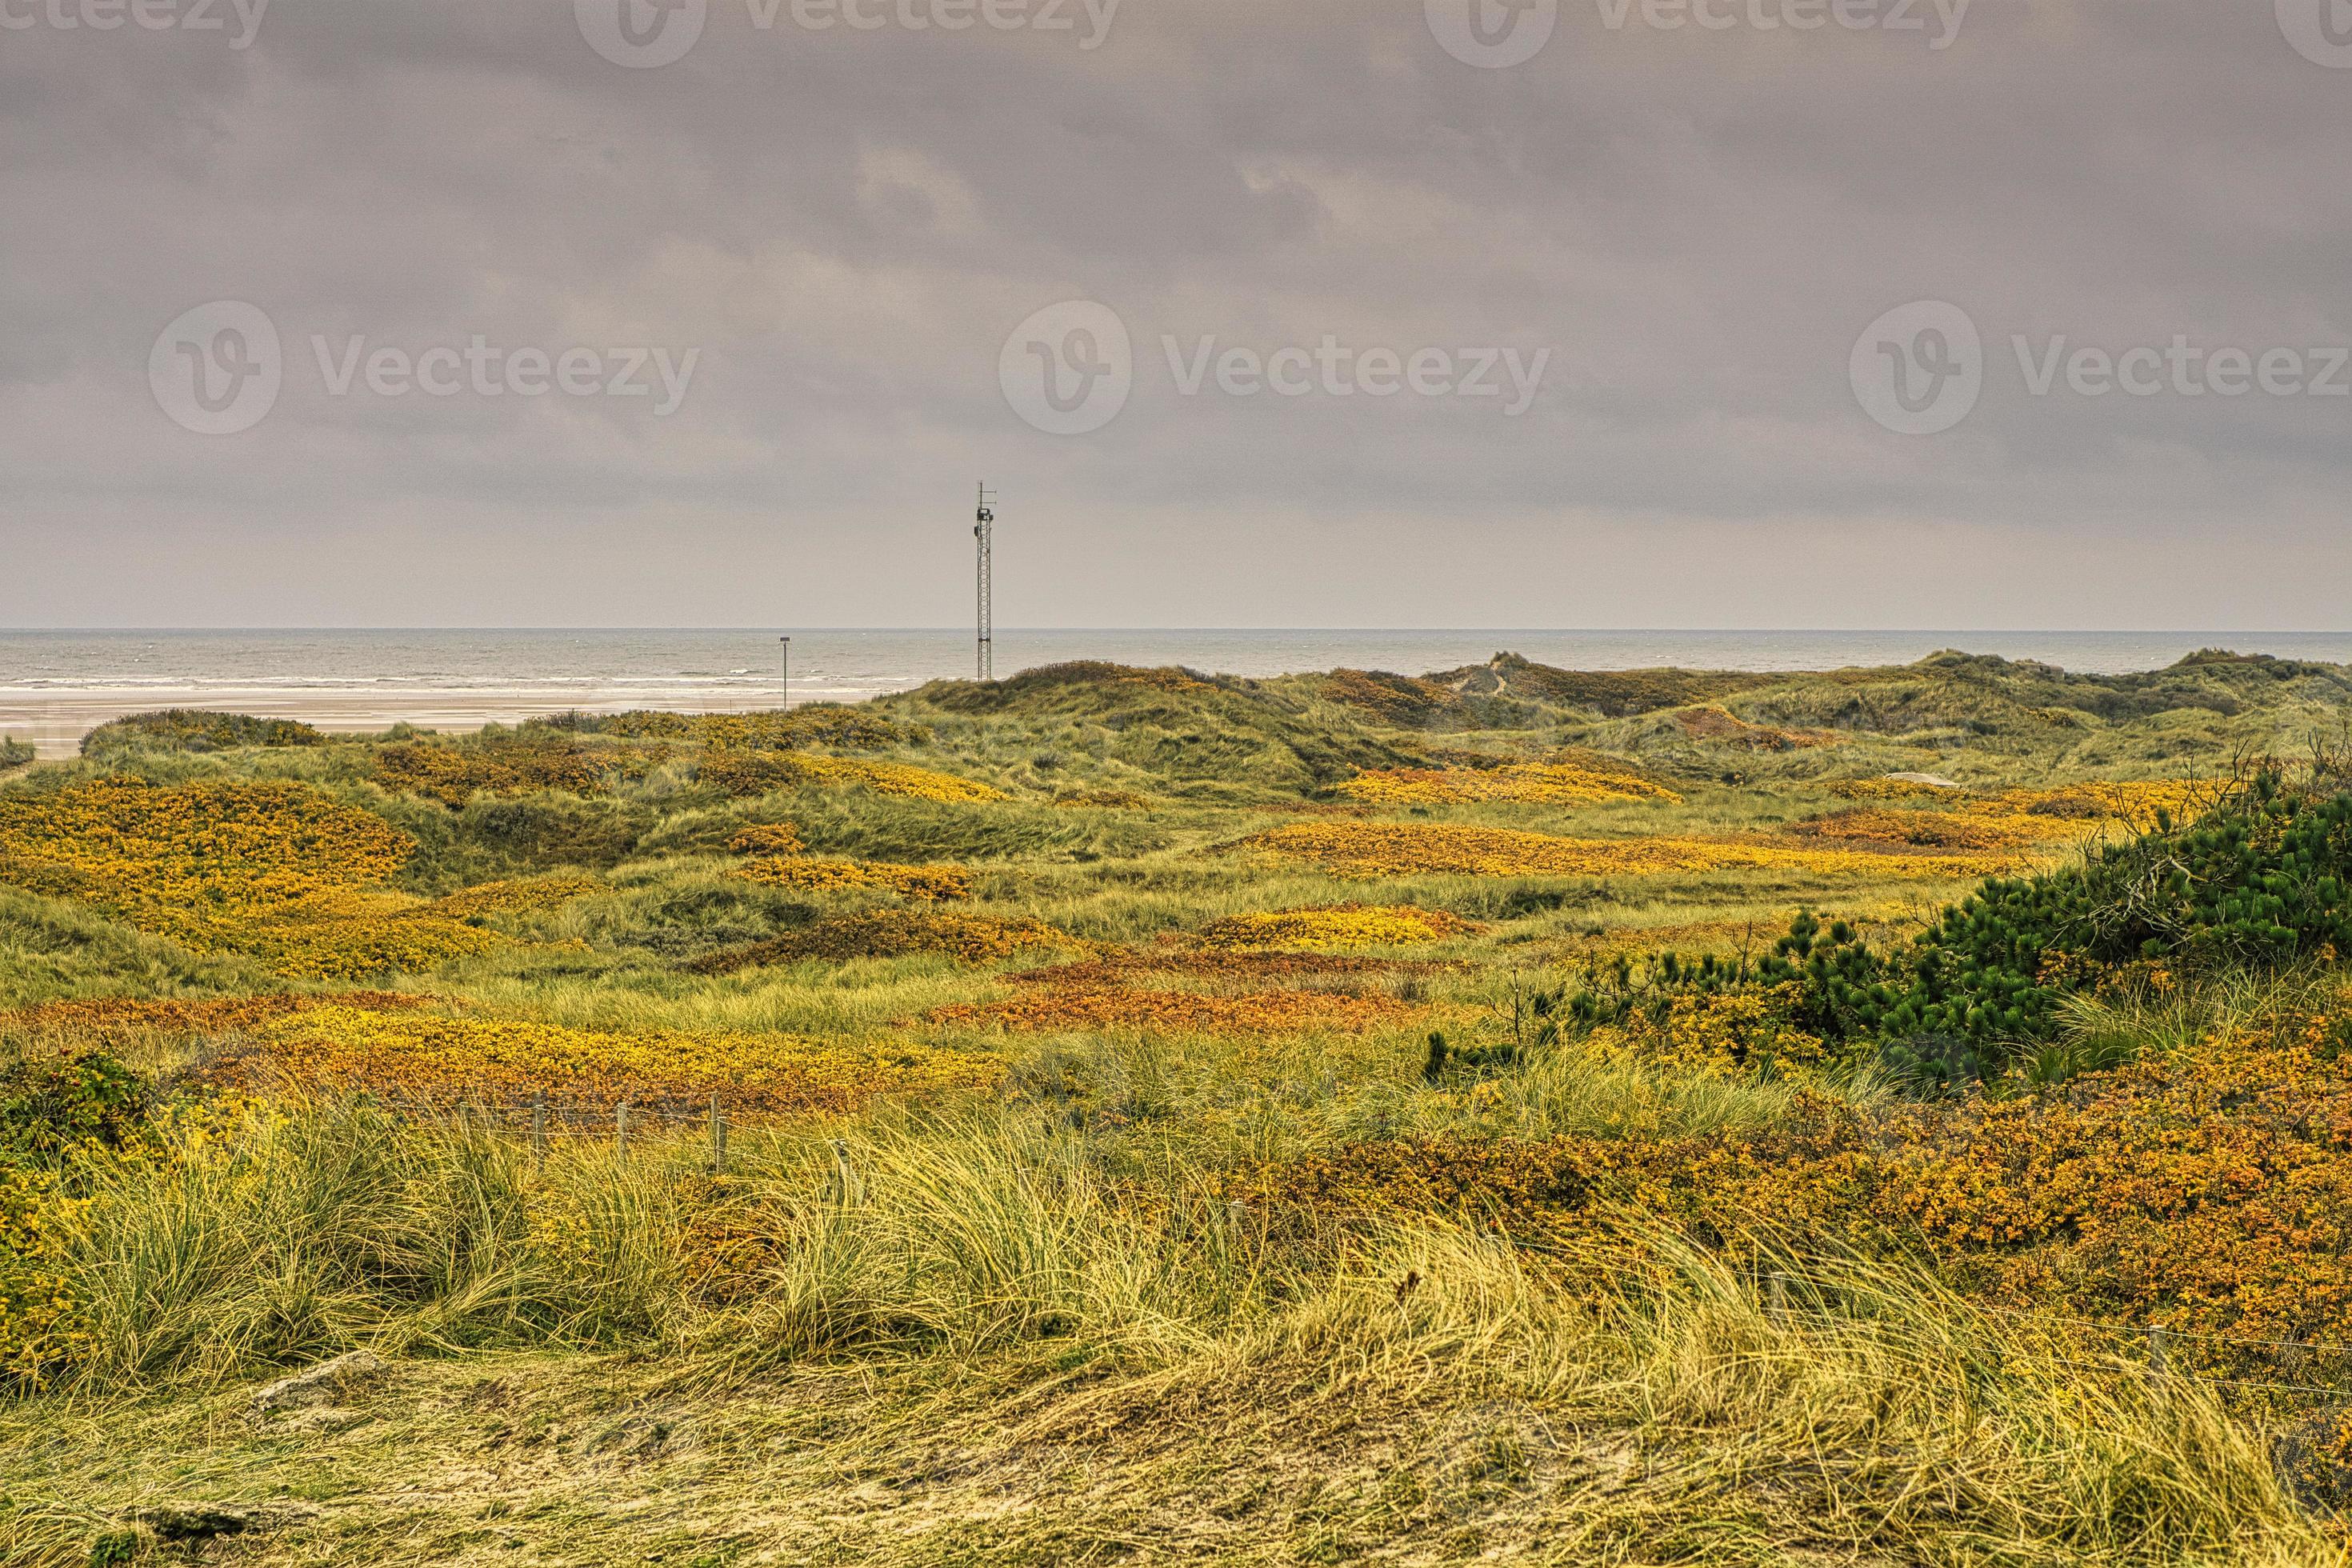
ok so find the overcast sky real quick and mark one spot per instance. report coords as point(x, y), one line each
point(839, 239)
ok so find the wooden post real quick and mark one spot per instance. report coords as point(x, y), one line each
point(2157, 1346)
point(621, 1128)
point(718, 1139)
point(539, 1128)
point(1780, 1307)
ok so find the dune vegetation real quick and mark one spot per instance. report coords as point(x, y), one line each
point(1874, 1116)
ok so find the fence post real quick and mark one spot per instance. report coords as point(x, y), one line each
point(621, 1128)
point(2157, 1346)
point(718, 1139)
point(843, 1174)
point(1779, 1301)
point(539, 1128)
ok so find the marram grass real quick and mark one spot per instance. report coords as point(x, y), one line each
point(1422, 1386)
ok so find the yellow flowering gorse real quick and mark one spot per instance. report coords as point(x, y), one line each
point(1565, 781)
point(504, 1065)
point(1333, 928)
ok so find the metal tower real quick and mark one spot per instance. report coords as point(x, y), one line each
point(985, 531)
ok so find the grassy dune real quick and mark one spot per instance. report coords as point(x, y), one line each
point(1061, 1223)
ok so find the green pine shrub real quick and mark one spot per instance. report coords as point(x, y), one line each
point(2259, 882)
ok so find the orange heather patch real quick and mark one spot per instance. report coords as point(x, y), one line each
point(1119, 1008)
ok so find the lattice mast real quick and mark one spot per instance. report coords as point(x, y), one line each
point(985, 531)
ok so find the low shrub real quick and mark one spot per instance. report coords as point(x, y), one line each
point(193, 730)
point(2258, 882)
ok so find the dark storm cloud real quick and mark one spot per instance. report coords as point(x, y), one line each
point(1695, 224)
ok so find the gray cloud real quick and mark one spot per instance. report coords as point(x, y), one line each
point(846, 225)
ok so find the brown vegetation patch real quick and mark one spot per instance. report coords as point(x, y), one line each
point(1715, 723)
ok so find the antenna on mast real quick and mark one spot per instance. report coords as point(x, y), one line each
point(985, 531)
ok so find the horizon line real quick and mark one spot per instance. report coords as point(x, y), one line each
point(1229, 631)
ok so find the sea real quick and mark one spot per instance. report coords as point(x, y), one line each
point(57, 685)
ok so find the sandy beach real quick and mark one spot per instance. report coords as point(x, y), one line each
point(54, 722)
